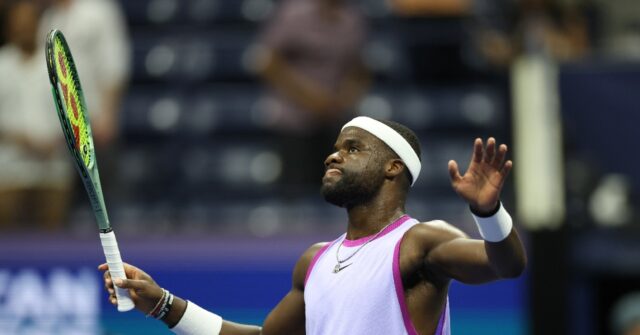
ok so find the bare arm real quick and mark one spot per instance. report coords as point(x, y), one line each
point(286, 318)
point(473, 261)
point(454, 255)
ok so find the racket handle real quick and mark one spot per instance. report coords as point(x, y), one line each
point(116, 269)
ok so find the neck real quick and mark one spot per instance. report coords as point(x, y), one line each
point(368, 219)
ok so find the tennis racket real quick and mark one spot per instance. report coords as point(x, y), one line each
point(72, 112)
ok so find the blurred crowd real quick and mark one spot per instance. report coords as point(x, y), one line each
point(36, 179)
point(309, 56)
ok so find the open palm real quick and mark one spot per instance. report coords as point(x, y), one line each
point(481, 184)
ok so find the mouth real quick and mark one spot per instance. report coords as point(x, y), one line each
point(331, 173)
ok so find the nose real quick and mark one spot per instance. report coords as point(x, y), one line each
point(333, 158)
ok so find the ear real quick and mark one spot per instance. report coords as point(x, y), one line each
point(394, 168)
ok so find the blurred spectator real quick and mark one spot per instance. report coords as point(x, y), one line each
point(97, 36)
point(310, 58)
point(35, 167)
point(557, 29)
point(434, 39)
point(625, 318)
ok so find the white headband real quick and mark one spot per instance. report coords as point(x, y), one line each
point(395, 141)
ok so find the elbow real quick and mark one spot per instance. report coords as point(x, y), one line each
point(514, 270)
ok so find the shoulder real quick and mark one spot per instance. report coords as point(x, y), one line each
point(302, 266)
point(311, 252)
point(426, 235)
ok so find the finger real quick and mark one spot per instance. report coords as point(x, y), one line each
point(128, 267)
point(477, 151)
point(108, 283)
point(103, 267)
point(138, 285)
point(490, 152)
point(508, 165)
point(454, 173)
point(131, 271)
point(498, 161)
point(106, 275)
point(113, 300)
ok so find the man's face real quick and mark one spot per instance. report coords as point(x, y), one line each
point(354, 172)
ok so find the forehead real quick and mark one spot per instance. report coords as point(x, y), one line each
point(360, 135)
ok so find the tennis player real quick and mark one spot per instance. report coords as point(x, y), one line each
point(389, 273)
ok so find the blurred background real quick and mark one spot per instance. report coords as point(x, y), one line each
point(212, 119)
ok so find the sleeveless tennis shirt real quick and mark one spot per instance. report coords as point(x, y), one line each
point(367, 296)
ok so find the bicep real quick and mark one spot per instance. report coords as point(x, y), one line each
point(288, 316)
point(463, 259)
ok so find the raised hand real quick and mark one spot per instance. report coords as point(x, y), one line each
point(144, 291)
point(481, 184)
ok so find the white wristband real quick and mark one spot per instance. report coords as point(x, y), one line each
point(496, 227)
point(198, 321)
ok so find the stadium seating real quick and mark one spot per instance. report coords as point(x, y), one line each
point(196, 153)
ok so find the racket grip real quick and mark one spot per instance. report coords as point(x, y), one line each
point(116, 269)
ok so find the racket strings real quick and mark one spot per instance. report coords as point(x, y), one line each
point(74, 108)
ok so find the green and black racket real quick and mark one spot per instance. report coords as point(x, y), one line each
point(74, 118)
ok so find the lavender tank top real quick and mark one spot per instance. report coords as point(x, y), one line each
point(366, 297)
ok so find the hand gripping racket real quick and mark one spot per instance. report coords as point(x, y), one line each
point(72, 112)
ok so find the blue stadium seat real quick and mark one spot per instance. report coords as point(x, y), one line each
point(424, 108)
point(180, 56)
point(195, 12)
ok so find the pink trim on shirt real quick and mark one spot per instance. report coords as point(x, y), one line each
point(387, 230)
point(397, 281)
point(314, 260)
point(406, 318)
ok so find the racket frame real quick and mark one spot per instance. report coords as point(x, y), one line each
point(88, 170)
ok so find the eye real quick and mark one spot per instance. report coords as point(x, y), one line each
point(353, 150)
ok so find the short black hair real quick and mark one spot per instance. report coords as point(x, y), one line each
point(408, 135)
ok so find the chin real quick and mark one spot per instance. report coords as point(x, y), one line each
point(330, 195)
point(349, 190)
